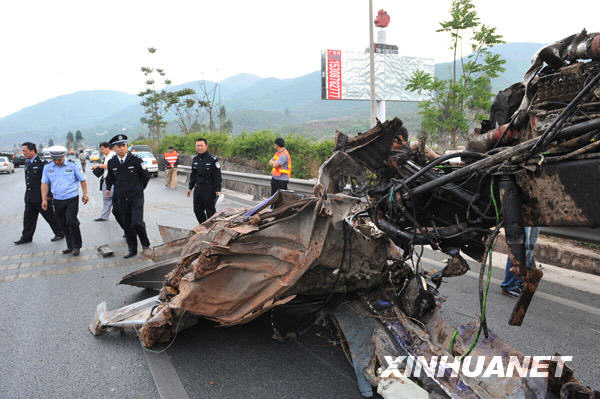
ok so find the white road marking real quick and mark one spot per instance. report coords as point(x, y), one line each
point(549, 297)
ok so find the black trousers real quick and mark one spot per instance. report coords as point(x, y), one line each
point(131, 212)
point(66, 216)
point(277, 185)
point(204, 202)
point(30, 217)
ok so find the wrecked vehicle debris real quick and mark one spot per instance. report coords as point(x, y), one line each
point(347, 252)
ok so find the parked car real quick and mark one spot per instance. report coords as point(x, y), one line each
point(88, 152)
point(95, 156)
point(46, 155)
point(6, 166)
point(150, 161)
point(140, 148)
point(19, 159)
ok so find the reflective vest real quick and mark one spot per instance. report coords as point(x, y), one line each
point(171, 158)
point(279, 171)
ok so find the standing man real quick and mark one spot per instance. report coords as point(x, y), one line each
point(282, 167)
point(171, 162)
point(205, 180)
point(110, 201)
point(63, 177)
point(82, 159)
point(34, 166)
point(129, 176)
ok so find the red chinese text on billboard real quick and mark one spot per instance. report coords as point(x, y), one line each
point(334, 74)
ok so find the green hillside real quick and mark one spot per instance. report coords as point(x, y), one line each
point(253, 103)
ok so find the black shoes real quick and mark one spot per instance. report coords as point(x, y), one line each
point(57, 238)
point(22, 241)
point(100, 220)
point(75, 251)
point(148, 247)
point(68, 251)
point(130, 255)
point(514, 292)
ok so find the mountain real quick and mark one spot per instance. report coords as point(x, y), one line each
point(253, 103)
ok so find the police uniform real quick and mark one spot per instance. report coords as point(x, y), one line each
point(33, 202)
point(205, 179)
point(130, 178)
point(64, 183)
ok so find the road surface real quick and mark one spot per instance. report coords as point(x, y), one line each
point(48, 299)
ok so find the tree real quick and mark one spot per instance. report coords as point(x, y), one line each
point(154, 101)
point(50, 143)
point(207, 97)
point(70, 140)
point(78, 139)
point(225, 125)
point(187, 109)
point(465, 97)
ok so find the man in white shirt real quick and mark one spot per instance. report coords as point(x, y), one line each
point(107, 202)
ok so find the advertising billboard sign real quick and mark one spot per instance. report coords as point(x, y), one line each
point(345, 76)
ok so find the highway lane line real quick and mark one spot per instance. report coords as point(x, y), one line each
point(549, 297)
point(165, 376)
point(70, 270)
point(28, 256)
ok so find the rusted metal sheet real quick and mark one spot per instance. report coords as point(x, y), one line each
point(169, 233)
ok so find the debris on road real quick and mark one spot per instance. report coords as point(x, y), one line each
point(347, 257)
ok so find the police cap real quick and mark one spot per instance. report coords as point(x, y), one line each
point(57, 151)
point(118, 139)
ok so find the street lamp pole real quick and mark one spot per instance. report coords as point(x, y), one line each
point(372, 64)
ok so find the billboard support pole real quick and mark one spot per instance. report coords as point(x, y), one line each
point(381, 103)
point(372, 64)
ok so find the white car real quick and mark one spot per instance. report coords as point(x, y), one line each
point(150, 162)
point(6, 166)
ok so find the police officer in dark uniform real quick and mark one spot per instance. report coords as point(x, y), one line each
point(33, 197)
point(205, 180)
point(127, 173)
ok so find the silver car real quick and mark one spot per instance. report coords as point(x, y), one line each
point(150, 162)
point(6, 166)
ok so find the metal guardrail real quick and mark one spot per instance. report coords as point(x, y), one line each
point(299, 185)
point(306, 186)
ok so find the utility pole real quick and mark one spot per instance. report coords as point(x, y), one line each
point(372, 64)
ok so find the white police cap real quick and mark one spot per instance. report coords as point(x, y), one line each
point(57, 151)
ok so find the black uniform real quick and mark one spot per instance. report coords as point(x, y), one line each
point(33, 201)
point(130, 178)
point(205, 179)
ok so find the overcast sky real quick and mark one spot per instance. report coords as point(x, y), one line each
point(57, 47)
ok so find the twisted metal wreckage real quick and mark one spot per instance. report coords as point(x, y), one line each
point(352, 248)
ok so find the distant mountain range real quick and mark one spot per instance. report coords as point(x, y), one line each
point(253, 103)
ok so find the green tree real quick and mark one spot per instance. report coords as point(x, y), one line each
point(187, 109)
point(225, 125)
point(78, 139)
point(465, 97)
point(70, 140)
point(50, 143)
point(155, 101)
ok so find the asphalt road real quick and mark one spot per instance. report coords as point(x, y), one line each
point(48, 299)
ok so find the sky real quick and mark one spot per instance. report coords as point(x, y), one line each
point(51, 48)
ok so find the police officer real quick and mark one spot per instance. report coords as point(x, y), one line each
point(34, 166)
point(63, 178)
point(205, 180)
point(127, 173)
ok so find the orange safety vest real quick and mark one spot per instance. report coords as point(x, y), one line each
point(279, 171)
point(171, 158)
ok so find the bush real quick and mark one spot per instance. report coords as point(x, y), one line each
point(307, 154)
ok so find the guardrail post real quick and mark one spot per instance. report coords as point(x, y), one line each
point(257, 196)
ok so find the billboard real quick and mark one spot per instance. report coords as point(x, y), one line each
point(345, 76)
